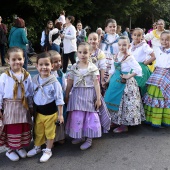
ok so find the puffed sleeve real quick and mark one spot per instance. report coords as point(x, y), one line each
point(134, 65)
point(70, 74)
point(58, 94)
point(147, 49)
point(2, 84)
point(149, 36)
point(101, 61)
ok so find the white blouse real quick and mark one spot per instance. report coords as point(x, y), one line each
point(57, 40)
point(163, 59)
point(7, 86)
point(127, 65)
point(48, 93)
point(141, 52)
point(110, 38)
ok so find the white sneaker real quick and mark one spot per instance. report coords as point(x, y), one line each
point(22, 152)
point(34, 151)
point(12, 155)
point(46, 155)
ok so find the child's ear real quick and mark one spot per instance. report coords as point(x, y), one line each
point(52, 66)
point(36, 65)
point(7, 60)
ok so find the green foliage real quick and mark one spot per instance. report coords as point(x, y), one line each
point(36, 13)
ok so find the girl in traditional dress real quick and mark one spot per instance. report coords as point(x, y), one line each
point(15, 105)
point(157, 99)
point(109, 44)
point(97, 57)
point(144, 55)
point(122, 97)
point(154, 37)
point(87, 110)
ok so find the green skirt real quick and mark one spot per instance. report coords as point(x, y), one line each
point(142, 80)
point(155, 114)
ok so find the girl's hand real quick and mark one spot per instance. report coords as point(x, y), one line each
point(61, 119)
point(105, 85)
point(126, 76)
point(62, 36)
point(66, 99)
point(1, 116)
point(97, 104)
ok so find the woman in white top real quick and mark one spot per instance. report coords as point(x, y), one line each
point(154, 37)
point(69, 43)
point(54, 37)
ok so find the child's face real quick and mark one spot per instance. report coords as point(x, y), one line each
point(111, 28)
point(165, 40)
point(83, 53)
point(16, 61)
point(44, 67)
point(56, 62)
point(123, 45)
point(137, 36)
point(93, 40)
point(79, 26)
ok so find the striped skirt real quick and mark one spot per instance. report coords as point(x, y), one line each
point(83, 119)
point(157, 108)
point(17, 121)
point(16, 136)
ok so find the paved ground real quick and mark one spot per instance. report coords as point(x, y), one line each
point(142, 148)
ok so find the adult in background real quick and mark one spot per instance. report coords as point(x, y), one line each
point(17, 38)
point(45, 45)
point(54, 37)
point(69, 43)
point(62, 17)
point(3, 41)
point(81, 33)
point(153, 28)
point(119, 30)
point(154, 37)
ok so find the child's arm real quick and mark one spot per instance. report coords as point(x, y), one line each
point(128, 76)
point(68, 89)
point(97, 89)
point(151, 59)
point(60, 113)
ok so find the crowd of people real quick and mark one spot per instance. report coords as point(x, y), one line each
point(115, 81)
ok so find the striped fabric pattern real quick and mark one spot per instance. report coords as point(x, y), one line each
point(83, 99)
point(17, 115)
point(15, 136)
point(161, 78)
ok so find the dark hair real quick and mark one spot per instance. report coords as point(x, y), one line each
point(14, 49)
point(19, 23)
point(124, 38)
point(44, 55)
point(79, 22)
point(58, 25)
point(62, 12)
point(85, 44)
point(71, 18)
point(138, 29)
point(110, 21)
point(47, 30)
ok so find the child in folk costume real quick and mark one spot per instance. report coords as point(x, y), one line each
point(48, 96)
point(16, 103)
point(97, 57)
point(144, 55)
point(56, 58)
point(154, 37)
point(122, 96)
point(109, 44)
point(157, 98)
point(85, 101)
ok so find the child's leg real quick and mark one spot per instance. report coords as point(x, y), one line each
point(50, 129)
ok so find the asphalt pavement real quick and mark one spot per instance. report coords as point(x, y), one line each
point(142, 148)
